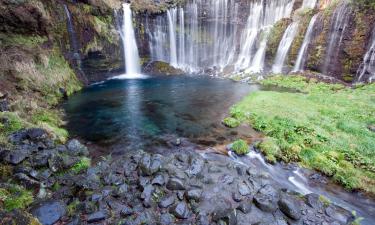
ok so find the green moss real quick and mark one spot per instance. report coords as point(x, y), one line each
point(83, 164)
point(240, 147)
point(231, 122)
point(15, 197)
point(275, 37)
point(72, 208)
point(322, 126)
point(326, 202)
point(29, 41)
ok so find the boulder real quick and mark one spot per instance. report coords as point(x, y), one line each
point(181, 210)
point(96, 217)
point(167, 201)
point(194, 194)
point(175, 184)
point(150, 164)
point(161, 68)
point(4, 105)
point(290, 206)
point(75, 148)
point(16, 156)
point(266, 199)
point(48, 212)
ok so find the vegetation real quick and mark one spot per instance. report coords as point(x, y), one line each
point(322, 126)
point(240, 147)
point(83, 164)
point(231, 122)
point(15, 197)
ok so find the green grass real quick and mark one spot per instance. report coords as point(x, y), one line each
point(322, 126)
point(231, 122)
point(15, 197)
point(240, 147)
point(83, 164)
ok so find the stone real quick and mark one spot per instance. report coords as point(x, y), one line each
point(237, 197)
point(371, 127)
point(175, 184)
point(167, 201)
point(147, 194)
point(244, 207)
point(166, 219)
point(15, 157)
point(48, 212)
point(221, 207)
point(75, 148)
point(158, 180)
point(150, 164)
point(266, 199)
point(26, 181)
point(196, 166)
point(290, 206)
point(181, 210)
point(244, 189)
point(194, 194)
point(36, 134)
point(182, 157)
point(313, 201)
point(96, 217)
point(41, 158)
point(4, 105)
point(126, 211)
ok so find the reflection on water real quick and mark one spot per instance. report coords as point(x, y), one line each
point(138, 113)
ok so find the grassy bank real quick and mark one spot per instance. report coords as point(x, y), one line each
point(323, 126)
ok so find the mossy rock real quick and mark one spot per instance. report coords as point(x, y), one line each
point(231, 122)
point(240, 147)
point(161, 68)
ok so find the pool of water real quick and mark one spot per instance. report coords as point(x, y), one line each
point(134, 114)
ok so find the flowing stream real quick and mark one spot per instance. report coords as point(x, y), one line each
point(367, 68)
point(302, 54)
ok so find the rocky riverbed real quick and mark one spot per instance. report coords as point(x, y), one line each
point(182, 186)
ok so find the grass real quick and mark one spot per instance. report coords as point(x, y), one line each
point(231, 122)
point(322, 126)
point(83, 164)
point(15, 197)
point(240, 147)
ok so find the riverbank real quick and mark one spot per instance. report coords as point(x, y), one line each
point(326, 127)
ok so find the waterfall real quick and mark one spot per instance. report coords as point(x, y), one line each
point(309, 4)
point(219, 41)
point(132, 62)
point(302, 54)
point(284, 47)
point(74, 47)
point(367, 67)
point(339, 23)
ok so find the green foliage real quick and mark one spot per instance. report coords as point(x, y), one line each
point(15, 197)
point(364, 4)
point(326, 202)
point(51, 120)
point(72, 208)
point(322, 126)
point(231, 122)
point(12, 122)
point(83, 164)
point(240, 147)
point(29, 41)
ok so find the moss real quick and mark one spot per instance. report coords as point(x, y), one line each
point(15, 197)
point(72, 208)
point(6, 172)
point(275, 37)
point(231, 122)
point(322, 126)
point(21, 40)
point(326, 202)
point(270, 148)
point(240, 147)
point(83, 164)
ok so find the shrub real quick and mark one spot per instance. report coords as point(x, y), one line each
point(231, 122)
point(240, 147)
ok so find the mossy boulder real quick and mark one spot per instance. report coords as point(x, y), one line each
point(161, 68)
point(240, 147)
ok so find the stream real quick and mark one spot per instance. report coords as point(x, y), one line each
point(124, 115)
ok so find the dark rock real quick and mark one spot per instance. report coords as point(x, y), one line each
point(4, 105)
point(203, 220)
point(158, 180)
point(290, 206)
point(175, 184)
point(182, 157)
point(180, 195)
point(126, 211)
point(41, 158)
point(150, 164)
point(147, 194)
point(161, 68)
point(221, 207)
point(48, 212)
point(75, 148)
point(237, 197)
point(96, 217)
point(36, 134)
point(339, 214)
point(313, 201)
point(166, 201)
point(18, 136)
point(26, 181)
point(194, 194)
point(371, 127)
point(196, 166)
point(244, 207)
point(16, 156)
point(181, 210)
point(266, 199)
point(166, 219)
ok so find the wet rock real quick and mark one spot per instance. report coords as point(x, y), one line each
point(158, 180)
point(4, 105)
point(290, 206)
point(182, 157)
point(48, 212)
point(41, 158)
point(166, 219)
point(147, 194)
point(96, 217)
point(339, 214)
point(316, 177)
point(266, 199)
point(237, 197)
point(150, 164)
point(175, 184)
point(36, 134)
point(194, 194)
point(196, 166)
point(26, 181)
point(126, 211)
point(166, 201)
point(181, 210)
point(161, 68)
point(221, 207)
point(226, 179)
point(244, 207)
point(244, 189)
point(313, 201)
point(75, 148)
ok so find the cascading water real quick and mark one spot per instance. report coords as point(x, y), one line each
point(309, 4)
point(212, 42)
point(74, 47)
point(132, 62)
point(339, 23)
point(284, 47)
point(302, 54)
point(366, 71)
